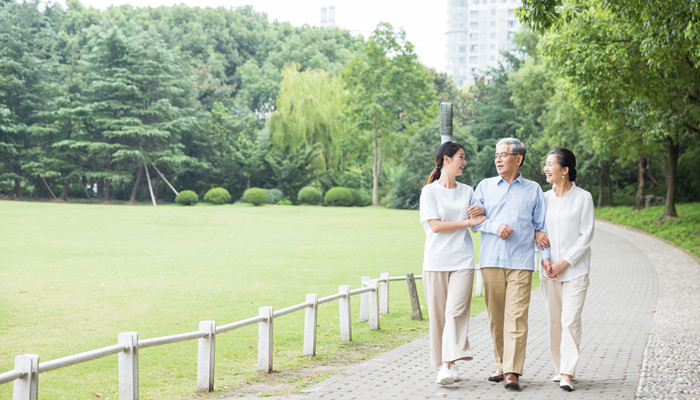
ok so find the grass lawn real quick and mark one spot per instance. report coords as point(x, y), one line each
point(73, 276)
point(683, 231)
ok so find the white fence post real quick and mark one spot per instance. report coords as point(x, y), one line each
point(384, 292)
point(27, 387)
point(206, 356)
point(129, 366)
point(364, 300)
point(310, 323)
point(373, 303)
point(344, 314)
point(265, 340)
point(479, 283)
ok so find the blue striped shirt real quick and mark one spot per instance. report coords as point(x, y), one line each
point(521, 206)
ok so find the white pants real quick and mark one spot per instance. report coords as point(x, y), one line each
point(564, 302)
point(449, 299)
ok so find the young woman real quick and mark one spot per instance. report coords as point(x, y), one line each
point(564, 277)
point(448, 262)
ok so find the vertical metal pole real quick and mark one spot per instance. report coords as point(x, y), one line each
point(445, 122)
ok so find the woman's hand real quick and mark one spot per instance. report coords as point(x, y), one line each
point(557, 268)
point(542, 240)
point(475, 211)
point(474, 221)
point(547, 266)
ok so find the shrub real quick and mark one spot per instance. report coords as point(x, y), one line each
point(274, 196)
point(310, 195)
point(187, 198)
point(285, 202)
point(217, 196)
point(255, 196)
point(360, 198)
point(338, 196)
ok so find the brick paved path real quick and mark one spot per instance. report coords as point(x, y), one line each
point(617, 319)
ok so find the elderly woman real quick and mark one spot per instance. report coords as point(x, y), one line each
point(569, 223)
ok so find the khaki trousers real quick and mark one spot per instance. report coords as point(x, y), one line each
point(449, 299)
point(507, 297)
point(564, 302)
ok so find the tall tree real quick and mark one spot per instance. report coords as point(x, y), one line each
point(388, 90)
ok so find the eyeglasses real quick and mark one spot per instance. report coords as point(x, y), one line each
point(496, 156)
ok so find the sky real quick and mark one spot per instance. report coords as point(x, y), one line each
point(424, 21)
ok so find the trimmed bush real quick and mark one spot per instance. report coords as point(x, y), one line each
point(274, 196)
point(187, 198)
point(338, 196)
point(255, 196)
point(360, 198)
point(217, 196)
point(310, 195)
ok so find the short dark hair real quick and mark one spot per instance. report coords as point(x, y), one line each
point(566, 158)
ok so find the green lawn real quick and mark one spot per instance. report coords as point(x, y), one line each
point(683, 231)
point(73, 276)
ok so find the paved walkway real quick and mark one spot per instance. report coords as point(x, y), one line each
point(618, 320)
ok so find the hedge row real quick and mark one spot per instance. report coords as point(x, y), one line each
point(336, 196)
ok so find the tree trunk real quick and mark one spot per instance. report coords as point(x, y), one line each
point(641, 184)
point(375, 165)
point(64, 192)
point(101, 188)
point(137, 184)
point(108, 191)
point(671, 169)
point(603, 182)
point(610, 195)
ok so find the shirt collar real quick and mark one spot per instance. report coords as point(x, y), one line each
point(518, 179)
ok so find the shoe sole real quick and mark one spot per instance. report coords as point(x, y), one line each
point(512, 386)
point(567, 388)
point(446, 381)
point(495, 379)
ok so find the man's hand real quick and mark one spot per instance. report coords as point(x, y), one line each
point(475, 211)
point(504, 231)
point(542, 240)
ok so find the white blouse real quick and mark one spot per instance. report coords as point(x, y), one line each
point(446, 251)
point(570, 220)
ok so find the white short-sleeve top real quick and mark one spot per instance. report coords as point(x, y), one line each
point(446, 251)
point(570, 220)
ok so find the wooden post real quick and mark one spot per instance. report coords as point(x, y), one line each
point(344, 313)
point(384, 293)
point(27, 387)
point(416, 313)
point(265, 340)
point(479, 283)
point(364, 300)
point(205, 357)
point(310, 324)
point(373, 303)
point(129, 366)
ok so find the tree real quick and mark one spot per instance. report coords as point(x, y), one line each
point(388, 90)
point(643, 52)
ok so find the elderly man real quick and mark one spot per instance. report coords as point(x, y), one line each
point(515, 210)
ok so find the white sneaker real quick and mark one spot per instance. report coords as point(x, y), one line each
point(556, 378)
point(455, 372)
point(445, 376)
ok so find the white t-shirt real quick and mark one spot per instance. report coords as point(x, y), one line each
point(446, 251)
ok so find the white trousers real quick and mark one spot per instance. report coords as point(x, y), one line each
point(564, 302)
point(449, 299)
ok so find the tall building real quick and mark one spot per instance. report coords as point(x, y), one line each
point(328, 17)
point(477, 31)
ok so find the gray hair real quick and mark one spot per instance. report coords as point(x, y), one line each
point(515, 146)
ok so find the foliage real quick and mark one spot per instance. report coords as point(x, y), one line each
point(274, 196)
point(683, 231)
point(310, 195)
point(360, 198)
point(217, 195)
point(255, 196)
point(338, 196)
point(291, 167)
point(388, 91)
point(186, 198)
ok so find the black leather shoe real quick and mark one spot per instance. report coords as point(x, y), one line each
point(512, 381)
point(496, 376)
